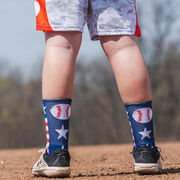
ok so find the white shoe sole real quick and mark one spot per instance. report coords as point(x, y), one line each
point(143, 168)
point(52, 171)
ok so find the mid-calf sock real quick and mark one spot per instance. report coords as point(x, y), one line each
point(141, 123)
point(57, 113)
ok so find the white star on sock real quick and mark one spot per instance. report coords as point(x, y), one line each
point(62, 132)
point(145, 134)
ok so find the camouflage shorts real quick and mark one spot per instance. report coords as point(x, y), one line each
point(103, 17)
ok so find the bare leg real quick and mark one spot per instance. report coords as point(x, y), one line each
point(129, 67)
point(58, 70)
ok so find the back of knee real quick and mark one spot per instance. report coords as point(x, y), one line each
point(66, 40)
point(113, 45)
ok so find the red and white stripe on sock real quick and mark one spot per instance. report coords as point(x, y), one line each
point(47, 135)
point(132, 133)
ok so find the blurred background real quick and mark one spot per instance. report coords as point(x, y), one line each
point(98, 115)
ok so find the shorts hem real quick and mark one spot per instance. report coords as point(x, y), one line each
point(95, 37)
point(55, 28)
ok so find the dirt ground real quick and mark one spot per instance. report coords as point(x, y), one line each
point(91, 162)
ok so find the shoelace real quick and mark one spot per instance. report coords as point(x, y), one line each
point(159, 149)
point(42, 150)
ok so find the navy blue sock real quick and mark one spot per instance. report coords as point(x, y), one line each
point(57, 113)
point(141, 123)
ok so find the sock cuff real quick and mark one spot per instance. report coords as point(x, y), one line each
point(61, 101)
point(144, 104)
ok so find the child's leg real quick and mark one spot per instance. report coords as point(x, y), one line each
point(58, 76)
point(134, 86)
point(133, 83)
point(129, 67)
point(57, 85)
point(59, 62)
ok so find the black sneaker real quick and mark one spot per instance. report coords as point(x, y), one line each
point(55, 165)
point(147, 160)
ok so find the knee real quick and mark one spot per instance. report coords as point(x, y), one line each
point(69, 41)
point(116, 44)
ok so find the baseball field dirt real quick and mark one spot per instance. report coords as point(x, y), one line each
point(91, 162)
